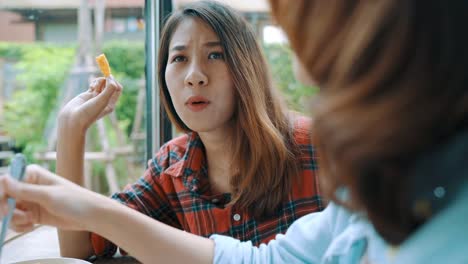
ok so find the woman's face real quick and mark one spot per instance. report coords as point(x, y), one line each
point(198, 77)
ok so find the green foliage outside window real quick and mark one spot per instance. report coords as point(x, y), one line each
point(41, 70)
point(297, 94)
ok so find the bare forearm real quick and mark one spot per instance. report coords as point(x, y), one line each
point(147, 239)
point(70, 152)
point(70, 161)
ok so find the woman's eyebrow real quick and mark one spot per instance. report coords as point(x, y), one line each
point(213, 43)
point(178, 47)
point(208, 44)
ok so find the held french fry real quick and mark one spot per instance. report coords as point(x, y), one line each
point(103, 65)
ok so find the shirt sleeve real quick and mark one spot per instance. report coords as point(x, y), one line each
point(306, 241)
point(149, 195)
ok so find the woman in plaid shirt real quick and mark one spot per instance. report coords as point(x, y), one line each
point(245, 167)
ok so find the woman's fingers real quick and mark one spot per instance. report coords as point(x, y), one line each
point(21, 217)
point(112, 102)
point(80, 99)
point(97, 85)
point(87, 107)
point(22, 228)
point(115, 96)
point(3, 196)
point(44, 198)
point(35, 174)
point(104, 101)
point(112, 88)
point(3, 207)
point(101, 84)
point(95, 89)
point(26, 191)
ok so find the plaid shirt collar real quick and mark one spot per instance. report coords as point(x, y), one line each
point(192, 165)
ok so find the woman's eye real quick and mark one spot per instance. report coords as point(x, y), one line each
point(216, 56)
point(179, 59)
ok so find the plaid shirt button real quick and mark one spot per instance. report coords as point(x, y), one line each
point(236, 217)
point(215, 200)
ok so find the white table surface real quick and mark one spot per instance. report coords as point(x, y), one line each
point(39, 243)
point(42, 243)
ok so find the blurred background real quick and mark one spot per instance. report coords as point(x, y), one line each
point(47, 50)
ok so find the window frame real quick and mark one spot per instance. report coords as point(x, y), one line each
point(158, 126)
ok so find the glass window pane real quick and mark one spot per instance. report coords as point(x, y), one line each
point(47, 51)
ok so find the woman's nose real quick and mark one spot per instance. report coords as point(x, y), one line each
point(196, 77)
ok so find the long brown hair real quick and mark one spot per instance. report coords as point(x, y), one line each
point(263, 134)
point(394, 84)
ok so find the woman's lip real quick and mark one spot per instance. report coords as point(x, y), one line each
point(197, 107)
point(197, 103)
point(196, 99)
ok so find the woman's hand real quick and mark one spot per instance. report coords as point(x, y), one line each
point(45, 198)
point(86, 108)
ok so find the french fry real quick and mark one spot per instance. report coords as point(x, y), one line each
point(103, 65)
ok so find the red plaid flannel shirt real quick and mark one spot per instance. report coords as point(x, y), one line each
point(175, 190)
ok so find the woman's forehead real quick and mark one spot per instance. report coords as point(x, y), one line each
point(193, 29)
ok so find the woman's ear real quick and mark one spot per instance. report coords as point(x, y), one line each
point(300, 72)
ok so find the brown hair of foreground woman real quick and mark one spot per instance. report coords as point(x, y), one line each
point(373, 61)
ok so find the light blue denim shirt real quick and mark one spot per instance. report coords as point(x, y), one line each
point(338, 236)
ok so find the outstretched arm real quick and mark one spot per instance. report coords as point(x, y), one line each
point(48, 199)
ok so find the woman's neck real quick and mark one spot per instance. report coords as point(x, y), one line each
point(217, 147)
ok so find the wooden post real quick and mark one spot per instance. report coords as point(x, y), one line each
point(84, 35)
point(136, 129)
point(99, 16)
point(110, 171)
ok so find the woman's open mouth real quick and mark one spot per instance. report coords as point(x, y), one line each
point(197, 103)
